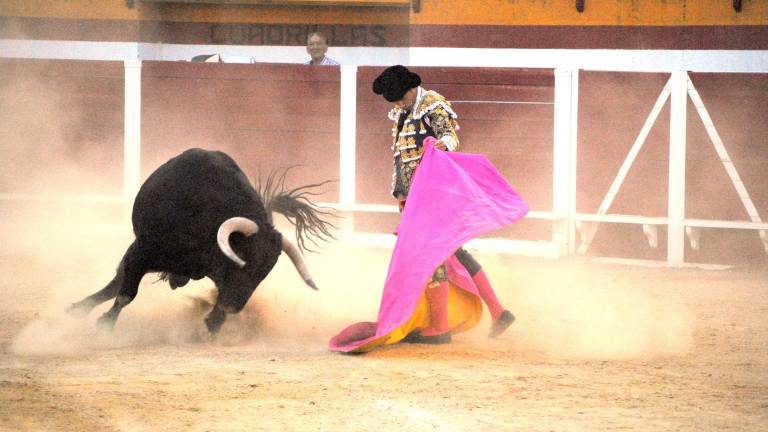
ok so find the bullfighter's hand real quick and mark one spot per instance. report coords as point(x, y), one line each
point(440, 145)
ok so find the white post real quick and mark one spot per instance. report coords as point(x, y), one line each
point(564, 158)
point(132, 132)
point(573, 155)
point(347, 135)
point(676, 198)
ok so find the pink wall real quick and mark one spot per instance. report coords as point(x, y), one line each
point(265, 116)
point(613, 107)
point(62, 123)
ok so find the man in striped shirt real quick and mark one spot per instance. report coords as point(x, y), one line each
point(317, 46)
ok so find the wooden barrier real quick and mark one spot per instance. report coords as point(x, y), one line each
point(267, 116)
point(62, 124)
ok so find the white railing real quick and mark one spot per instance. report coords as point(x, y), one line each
point(566, 223)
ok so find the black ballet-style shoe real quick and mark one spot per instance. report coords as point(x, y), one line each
point(500, 325)
point(416, 337)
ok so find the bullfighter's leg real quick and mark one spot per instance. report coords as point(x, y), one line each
point(436, 293)
point(501, 317)
point(133, 270)
point(437, 297)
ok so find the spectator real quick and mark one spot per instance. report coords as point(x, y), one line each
point(317, 46)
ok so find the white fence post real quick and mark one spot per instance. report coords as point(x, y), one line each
point(347, 135)
point(676, 198)
point(564, 158)
point(132, 132)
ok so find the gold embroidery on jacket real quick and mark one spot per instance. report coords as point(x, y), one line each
point(433, 111)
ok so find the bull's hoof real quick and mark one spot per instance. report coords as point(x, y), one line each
point(106, 322)
point(502, 323)
point(311, 283)
point(78, 310)
point(214, 320)
point(201, 335)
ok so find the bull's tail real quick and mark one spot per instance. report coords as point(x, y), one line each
point(310, 220)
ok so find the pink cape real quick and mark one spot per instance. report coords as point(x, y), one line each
point(454, 197)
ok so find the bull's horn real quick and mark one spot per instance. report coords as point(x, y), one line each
point(235, 224)
point(293, 253)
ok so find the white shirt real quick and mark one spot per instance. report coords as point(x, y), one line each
point(326, 61)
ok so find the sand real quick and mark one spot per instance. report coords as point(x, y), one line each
point(595, 347)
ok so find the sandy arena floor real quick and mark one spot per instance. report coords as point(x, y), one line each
point(596, 347)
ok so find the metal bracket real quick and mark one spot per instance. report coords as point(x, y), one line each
point(652, 234)
point(129, 4)
point(580, 5)
point(416, 5)
point(737, 5)
point(693, 235)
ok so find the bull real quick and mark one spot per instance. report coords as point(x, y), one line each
point(198, 216)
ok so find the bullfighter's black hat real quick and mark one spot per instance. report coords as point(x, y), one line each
point(394, 82)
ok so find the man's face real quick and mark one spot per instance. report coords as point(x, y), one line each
point(408, 100)
point(316, 47)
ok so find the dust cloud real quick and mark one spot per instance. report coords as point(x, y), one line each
point(601, 323)
point(56, 137)
point(568, 310)
point(65, 229)
point(283, 312)
point(583, 310)
point(60, 250)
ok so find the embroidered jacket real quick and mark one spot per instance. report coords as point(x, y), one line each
point(431, 115)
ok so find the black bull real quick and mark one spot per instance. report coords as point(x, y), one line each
point(196, 216)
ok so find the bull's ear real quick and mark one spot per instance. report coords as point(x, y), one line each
point(235, 224)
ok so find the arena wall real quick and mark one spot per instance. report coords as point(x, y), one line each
point(291, 113)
